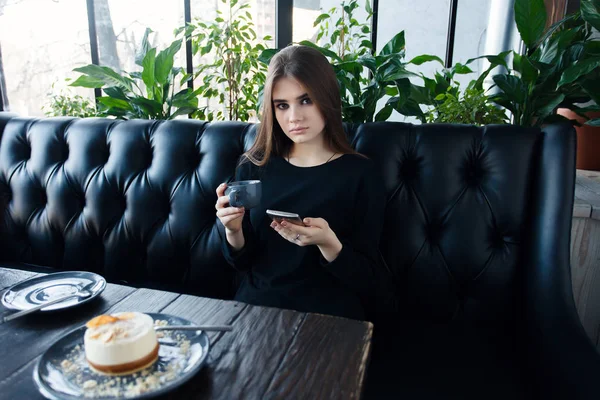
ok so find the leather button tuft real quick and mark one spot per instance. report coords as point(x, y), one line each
point(434, 233)
point(408, 170)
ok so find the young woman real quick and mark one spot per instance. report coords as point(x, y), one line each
point(306, 166)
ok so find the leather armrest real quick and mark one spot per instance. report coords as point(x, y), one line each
point(563, 358)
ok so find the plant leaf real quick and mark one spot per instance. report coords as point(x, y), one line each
point(529, 73)
point(418, 60)
point(593, 122)
point(320, 18)
point(577, 70)
point(530, 16)
point(106, 74)
point(384, 113)
point(164, 63)
point(493, 59)
point(512, 86)
point(590, 12)
point(549, 104)
point(88, 82)
point(266, 55)
point(395, 45)
point(151, 107)
point(148, 71)
point(461, 69)
point(116, 103)
point(115, 92)
point(145, 46)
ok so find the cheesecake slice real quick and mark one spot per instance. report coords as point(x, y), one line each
point(121, 343)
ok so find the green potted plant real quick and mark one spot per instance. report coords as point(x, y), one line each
point(472, 106)
point(559, 69)
point(560, 66)
point(230, 70)
point(64, 103)
point(442, 98)
point(124, 97)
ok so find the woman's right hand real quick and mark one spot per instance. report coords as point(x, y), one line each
point(230, 217)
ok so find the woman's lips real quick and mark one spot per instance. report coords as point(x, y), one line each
point(298, 130)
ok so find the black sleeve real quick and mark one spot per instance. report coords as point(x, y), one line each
point(241, 259)
point(359, 264)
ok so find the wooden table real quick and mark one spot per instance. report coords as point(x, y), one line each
point(585, 252)
point(587, 194)
point(271, 353)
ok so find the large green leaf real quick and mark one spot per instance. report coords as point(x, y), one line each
point(493, 59)
point(115, 92)
point(88, 82)
point(106, 74)
point(578, 70)
point(418, 60)
point(545, 106)
point(384, 113)
point(397, 73)
point(143, 50)
point(118, 103)
point(395, 45)
point(151, 107)
point(266, 55)
point(148, 72)
point(592, 88)
point(590, 11)
point(368, 61)
point(512, 86)
point(164, 63)
point(503, 100)
point(461, 69)
point(530, 16)
point(559, 24)
point(529, 73)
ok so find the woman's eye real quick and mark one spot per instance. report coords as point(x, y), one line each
point(306, 101)
point(282, 106)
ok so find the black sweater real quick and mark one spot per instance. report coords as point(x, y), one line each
point(348, 193)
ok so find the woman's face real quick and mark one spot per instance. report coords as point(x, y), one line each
point(297, 115)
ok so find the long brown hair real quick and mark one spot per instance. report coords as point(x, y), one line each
point(311, 69)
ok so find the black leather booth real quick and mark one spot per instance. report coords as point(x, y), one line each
point(476, 238)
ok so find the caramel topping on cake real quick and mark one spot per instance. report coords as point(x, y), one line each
point(101, 320)
point(108, 319)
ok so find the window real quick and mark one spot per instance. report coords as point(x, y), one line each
point(307, 11)
point(120, 27)
point(42, 41)
point(472, 21)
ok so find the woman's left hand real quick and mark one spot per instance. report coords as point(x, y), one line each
point(316, 231)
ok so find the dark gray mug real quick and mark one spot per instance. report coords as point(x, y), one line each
point(245, 194)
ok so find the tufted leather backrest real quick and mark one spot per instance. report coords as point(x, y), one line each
point(458, 206)
point(134, 200)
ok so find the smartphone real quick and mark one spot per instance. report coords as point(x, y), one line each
point(279, 216)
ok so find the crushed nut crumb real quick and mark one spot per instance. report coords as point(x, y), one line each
point(89, 384)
